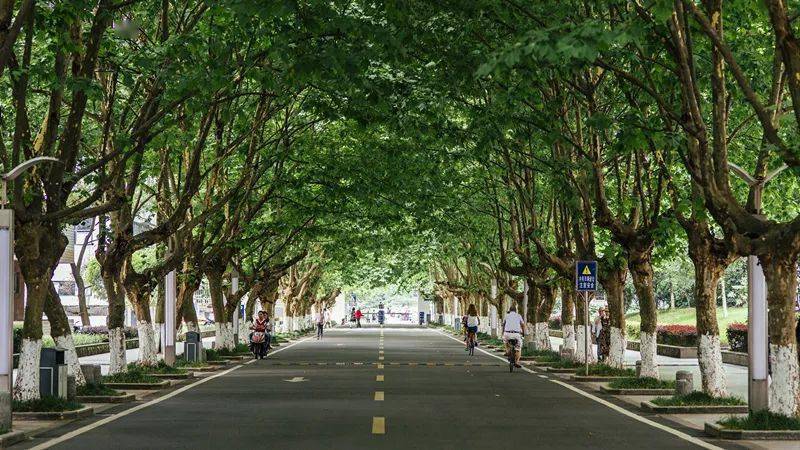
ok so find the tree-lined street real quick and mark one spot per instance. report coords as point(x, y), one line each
point(434, 396)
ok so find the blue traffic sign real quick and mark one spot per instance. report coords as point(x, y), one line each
point(586, 276)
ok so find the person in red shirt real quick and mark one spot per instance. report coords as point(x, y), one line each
point(359, 315)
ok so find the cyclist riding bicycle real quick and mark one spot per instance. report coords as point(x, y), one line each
point(472, 323)
point(514, 329)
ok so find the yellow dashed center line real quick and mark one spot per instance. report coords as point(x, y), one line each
point(379, 378)
point(380, 366)
point(380, 358)
point(378, 396)
point(378, 425)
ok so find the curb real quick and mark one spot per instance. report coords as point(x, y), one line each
point(172, 376)
point(717, 431)
point(139, 386)
point(86, 411)
point(560, 370)
point(125, 398)
point(595, 378)
point(613, 391)
point(699, 409)
point(11, 438)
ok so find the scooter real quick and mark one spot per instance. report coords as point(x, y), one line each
point(258, 344)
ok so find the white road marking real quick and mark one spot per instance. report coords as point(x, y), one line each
point(543, 376)
point(296, 380)
point(672, 431)
point(122, 414)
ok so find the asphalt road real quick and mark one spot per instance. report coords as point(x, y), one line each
point(338, 394)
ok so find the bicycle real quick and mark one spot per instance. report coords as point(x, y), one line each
point(471, 343)
point(511, 354)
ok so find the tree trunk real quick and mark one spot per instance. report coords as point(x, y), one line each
point(582, 331)
point(614, 284)
point(139, 297)
point(38, 248)
point(542, 326)
point(781, 273)
point(80, 285)
point(671, 296)
point(224, 327)
point(709, 353)
point(185, 305)
point(568, 316)
point(641, 269)
point(724, 288)
point(61, 333)
point(116, 321)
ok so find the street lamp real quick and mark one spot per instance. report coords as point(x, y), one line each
point(170, 294)
point(757, 341)
point(7, 282)
point(234, 290)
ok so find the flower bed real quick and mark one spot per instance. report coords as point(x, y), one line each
point(698, 398)
point(96, 389)
point(762, 420)
point(680, 335)
point(642, 383)
point(737, 337)
point(47, 403)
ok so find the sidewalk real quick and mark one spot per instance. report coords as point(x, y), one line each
point(667, 367)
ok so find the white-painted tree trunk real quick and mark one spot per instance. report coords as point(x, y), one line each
point(71, 358)
point(616, 351)
point(647, 351)
point(157, 327)
point(224, 335)
point(784, 391)
point(26, 386)
point(709, 355)
point(244, 330)
point(116, 346)
point(148, 354)
point(569, 337)
point(580, 340)
point(542, 330)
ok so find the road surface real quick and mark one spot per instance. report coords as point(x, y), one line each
point(411, 388)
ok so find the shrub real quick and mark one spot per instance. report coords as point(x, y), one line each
point(608, 371)
point(47, 403)
point(682, 335)
point(697, 398)
point(134, 374)
point(554, 323)
point(762, 420)
point(90, 389)
point(642, 383)
point(130, 332)
point(737, 337)
point(633, 332)
point(161, 367)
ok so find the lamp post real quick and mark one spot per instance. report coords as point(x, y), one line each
point(7, 283)
point(757, 339)
point(170, 294)
point(234, 290)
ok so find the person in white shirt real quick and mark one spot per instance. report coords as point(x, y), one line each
point(471, 323)
point(514, 328)
point(320, 320)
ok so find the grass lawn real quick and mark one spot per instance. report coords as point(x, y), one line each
point(97, 389)
point(686, 316)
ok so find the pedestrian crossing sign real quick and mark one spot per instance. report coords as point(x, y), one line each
point(586, 276)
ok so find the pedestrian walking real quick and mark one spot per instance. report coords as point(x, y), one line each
point(359, 315)
point(320, 319)
point(603, 334)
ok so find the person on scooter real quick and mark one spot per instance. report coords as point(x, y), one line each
point(259, 326)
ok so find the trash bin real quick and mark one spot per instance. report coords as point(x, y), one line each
point(53, 373)
point(193, 347)
point(422, 317)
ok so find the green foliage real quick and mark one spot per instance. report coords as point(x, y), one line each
point(161, 368)
point(92, 389)
point(135, 374)
point(697, 398)
point(761, 420)
point(641, 383)
point(47, 403)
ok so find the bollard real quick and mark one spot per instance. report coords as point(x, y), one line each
point(71, 388)
point(638, 368)
point(5, 410)
point(684, 382)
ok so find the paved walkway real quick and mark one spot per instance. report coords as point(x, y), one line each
point(736, 375)
point(376, 389)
